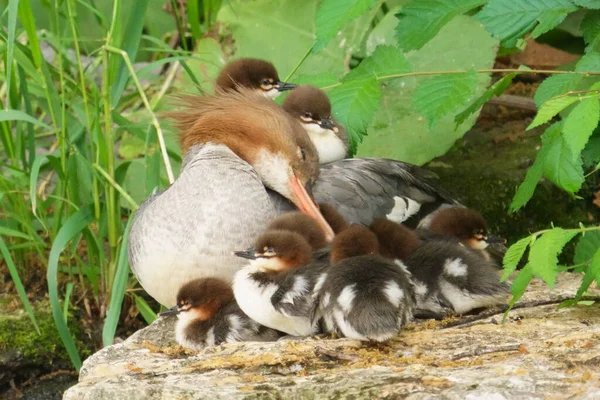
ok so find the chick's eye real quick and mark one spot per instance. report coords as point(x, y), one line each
point(307, 114)
point(303, 154)
point(264, 82)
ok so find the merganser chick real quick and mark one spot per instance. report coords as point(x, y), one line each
point(365, 296)
point(335, 220)
point(396, 241)
point(310, 106)
point(280, 285)
point(259, 75)
point(236, 146)
point(303, 225)
point(208, 315)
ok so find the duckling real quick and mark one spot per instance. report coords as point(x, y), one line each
point(336, 221)
point(396, 241)
point(279, 286)
point(303, 225)
point(208, 315)
point(310, 106)
point(252, 73)
point(365, 296)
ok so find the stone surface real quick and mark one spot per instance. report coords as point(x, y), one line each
point(540, 352)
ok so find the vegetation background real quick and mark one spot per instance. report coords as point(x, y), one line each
point(83, 82)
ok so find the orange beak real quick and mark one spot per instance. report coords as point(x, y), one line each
point(308, 206)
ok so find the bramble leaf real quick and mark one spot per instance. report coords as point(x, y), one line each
point(592, 274)
point(421, 20)
point(588, 3)
point(510, 20)
point(590, 27)
point(513, 256)
point(443, 94)
point(520, 283)
point(543, 256)
point(551, 108)
point(318, 80)
point(589, 62)
point(561, 165)
point(385, 60)
point(332, 15)
point(556, 85)
point(587, 246)
point(580, 124)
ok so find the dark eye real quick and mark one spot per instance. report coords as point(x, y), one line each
point(307, 114)
point(303, 153)
point(265, 82)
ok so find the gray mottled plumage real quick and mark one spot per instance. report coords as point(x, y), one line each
point(366, 298)
point(364, 188)
point(218, 204)
point(451, 277)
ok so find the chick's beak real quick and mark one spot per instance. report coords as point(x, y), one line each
point(249, 254)
point(283, 86)
point(326, 123)
point(307, 205)
point(171, 311)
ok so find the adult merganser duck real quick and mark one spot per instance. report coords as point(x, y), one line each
point(280, 285)
point(365, 296)
point(310, 106)
point(236, 146)
point(255, 74)
point(208, 315)
point(361, 189)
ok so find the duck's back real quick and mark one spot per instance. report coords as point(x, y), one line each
point(217, 205)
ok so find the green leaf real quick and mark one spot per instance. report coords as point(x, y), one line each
point(561, 165)
point(332, 15)
point(318, 80)
point(580, 124)
point(4, 231)
point(398, 130)
point(591, 153)
point(590, 62)
point(519, 285)
point(385, 60)
point(14, 275)
point(13, 7)
point(595, 4)
point(592, 274)
point(145, 310)
point(587, 246)
point(543, 256)
point(421, 20)
point(15, 115)
point(443, 94)
point(354, 104)
point(550, 109)
point(556, 85)
point(513, 256)
point(510, 20)
point(590, 27)
point(535, 172)
point(73, 226)
point(495, 90)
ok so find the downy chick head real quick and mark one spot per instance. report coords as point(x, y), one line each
point(310, 106)
point(277, 251)
point(395, 240)
point(258, 75)
point(259, 132)
point(303, 225)
point(337, 222)
point(465, 224)
point(201, 298)
point(355, 241)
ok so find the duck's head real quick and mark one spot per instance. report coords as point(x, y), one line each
point(303, 225)
point(465, 224)
point(278, 250)
point(258, 131)
point(311, 107)
point(357, 240)
point(200, 299)
point(396, 240)
point(258, 75)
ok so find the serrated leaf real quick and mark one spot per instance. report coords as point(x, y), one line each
point(548, 21)
point(495, 90)
point(318, 80)
point(443, 94)
point(510, 20)
point(580, 124)
point(561, 165)
point(543, 256)
point(591, 153)
point(588, 3)
point(354, 103)
point(587, 246)
point(513, 256)
point(332, 15)
point(590, 62)
point(556, 85)
point(385, 60)
point(551, 108)
point(421, 20)
point(519, 285)
point(535, 172)
point(592, 274)
point(590, 27)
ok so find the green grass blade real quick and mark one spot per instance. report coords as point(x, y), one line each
point(15, 115)
point(14, 274)
point(194, 18)
point(67, 301)
point(27, 20)
point(13, 233)
point(131, 42)
point(29, 110)
point(74, 225)
point(145, 309)
point(118, 291)
point(13, 7)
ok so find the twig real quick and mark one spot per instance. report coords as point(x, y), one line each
point(321, 351)
point(489, 350)
point(465, 322)
point(510, 100)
